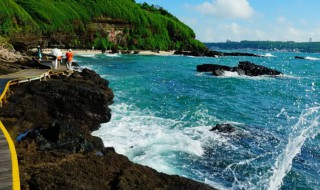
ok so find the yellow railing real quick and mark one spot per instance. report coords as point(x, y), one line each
point(4, 93)
point(14, 159)
point(13, 153)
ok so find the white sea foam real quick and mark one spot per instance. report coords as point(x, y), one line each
point(230, 74)
point(156, 142)
point(148, 139)
point(307, 127)
point(312, 58)
point(91, 67)
point(268, 55)
point(285, 76)
point(214, 184)
point(112, 55)
point(86, 55)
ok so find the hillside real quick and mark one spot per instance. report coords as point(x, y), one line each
point(102, 24)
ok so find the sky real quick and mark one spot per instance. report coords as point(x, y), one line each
point(237, 20)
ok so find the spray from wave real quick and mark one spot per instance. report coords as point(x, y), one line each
point(146, 138)
point(306, 128)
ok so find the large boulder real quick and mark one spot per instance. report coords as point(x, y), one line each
point(224, 128)
point(244, 68)
point(299, 57)
point(212, 67)
point(252, 69)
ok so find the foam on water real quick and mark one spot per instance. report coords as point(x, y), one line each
point(112, 55)
point(166, 126)
point(86, 55)
point(268, 55)
point(312, 58)
point(148, 139)
point(230, 74)
point(307, 127)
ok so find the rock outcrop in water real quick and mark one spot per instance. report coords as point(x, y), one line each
point(224, 128)
point(299, 57)
point(244, 68)
point(210, 53)
point(54, 120)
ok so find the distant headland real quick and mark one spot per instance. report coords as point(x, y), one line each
point(310, 47)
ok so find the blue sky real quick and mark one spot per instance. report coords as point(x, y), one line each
point(236, 20)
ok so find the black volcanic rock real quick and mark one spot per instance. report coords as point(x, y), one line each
point(210, 53)
point(57, 150)
point(251, 69)
point(212, 67)
point(224, 128)
point(62, 113)
point(244, 68)
point(299, 57)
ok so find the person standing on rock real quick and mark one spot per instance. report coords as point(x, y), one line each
point(69, 56)
point(55, 63)
point(39, 52)
point(59, 60)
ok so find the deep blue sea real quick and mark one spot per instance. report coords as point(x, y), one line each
point(163, 111)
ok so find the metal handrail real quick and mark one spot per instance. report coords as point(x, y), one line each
point(14, 158)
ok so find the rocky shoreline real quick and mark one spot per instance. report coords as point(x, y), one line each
point(52, 123)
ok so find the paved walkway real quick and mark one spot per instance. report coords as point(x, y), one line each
point(9, 170)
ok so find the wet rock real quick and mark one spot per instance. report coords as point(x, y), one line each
point(244, 68)
point(58, 150)
point(224, 128)
point(212, 67)
point(252, 69)
point(299, 57)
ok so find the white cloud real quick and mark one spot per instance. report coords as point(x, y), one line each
point(226, 9)
point(220, 33)
point(233, 28)
point(277, 29)
point(281, 20)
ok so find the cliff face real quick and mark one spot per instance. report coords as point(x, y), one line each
point(115, 31)
point(52, 122)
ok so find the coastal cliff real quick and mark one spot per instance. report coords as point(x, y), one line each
point(99, 24)
point(52, 123)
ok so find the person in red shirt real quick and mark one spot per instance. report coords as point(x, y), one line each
point(59, 60)
point(69, 56)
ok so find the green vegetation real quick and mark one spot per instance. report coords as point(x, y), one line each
point(150, 27)
point(310, 47)
point(13, 18)
point(4, 44)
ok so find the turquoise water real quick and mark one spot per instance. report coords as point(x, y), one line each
point(163, 111)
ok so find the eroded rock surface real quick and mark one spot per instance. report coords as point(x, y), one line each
point(54, 120)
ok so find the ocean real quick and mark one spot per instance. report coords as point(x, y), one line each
point(164, 109)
